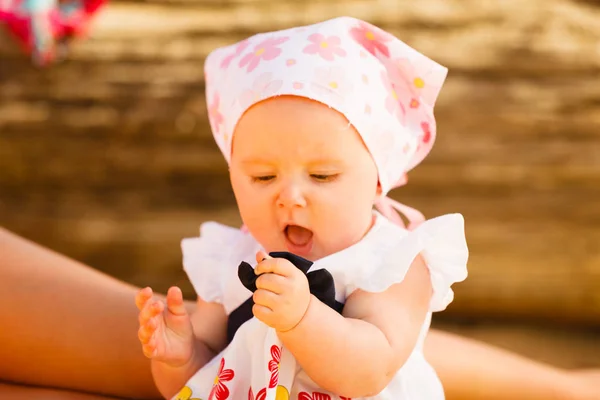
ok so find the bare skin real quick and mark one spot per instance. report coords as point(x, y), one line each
point(65, 325)
point(96, 345)
point(472, 370)
point(8, 391)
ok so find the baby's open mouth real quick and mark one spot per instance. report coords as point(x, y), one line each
point(299, 238)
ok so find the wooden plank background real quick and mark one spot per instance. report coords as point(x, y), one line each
point(108, 157)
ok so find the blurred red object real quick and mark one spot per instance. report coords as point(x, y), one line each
point(44, 28)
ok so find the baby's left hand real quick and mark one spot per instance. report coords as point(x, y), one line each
point(282, 294)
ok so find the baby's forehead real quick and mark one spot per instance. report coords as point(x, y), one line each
point(282, 108)
point(294, 118)
point(322, 150)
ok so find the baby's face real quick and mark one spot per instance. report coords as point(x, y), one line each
point(302, 177)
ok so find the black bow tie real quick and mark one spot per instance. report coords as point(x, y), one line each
point(320, 283)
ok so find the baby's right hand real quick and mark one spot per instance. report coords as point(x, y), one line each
point(166, 333)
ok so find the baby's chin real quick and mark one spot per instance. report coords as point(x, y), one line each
point(321, 251)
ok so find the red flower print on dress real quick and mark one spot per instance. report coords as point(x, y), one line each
point(326, 47)
point(274, 365)
point(262, 394)
point(238, 50)
point(371, 38)
point(219, 390)
point(214, 115)
point(266, 50)
point(314, 396)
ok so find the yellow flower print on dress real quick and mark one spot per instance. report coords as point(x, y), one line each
point(186, 394)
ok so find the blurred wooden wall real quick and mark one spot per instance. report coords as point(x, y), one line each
point(108, 157)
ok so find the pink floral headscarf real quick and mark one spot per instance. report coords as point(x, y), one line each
point(386, 90)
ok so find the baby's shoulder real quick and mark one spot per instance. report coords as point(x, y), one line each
point(386, 253)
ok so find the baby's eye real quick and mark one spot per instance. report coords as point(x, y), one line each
point(324, 177)
point(263, 178)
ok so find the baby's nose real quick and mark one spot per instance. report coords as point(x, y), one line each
point(291, 196)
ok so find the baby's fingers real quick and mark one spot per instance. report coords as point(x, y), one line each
point(262, 256)
point(142, 297)
point(150, 310)
point(175, 303)
point(149, 348)
point(147, 330)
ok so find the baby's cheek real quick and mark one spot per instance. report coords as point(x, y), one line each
point(268, 236)
point(252, 213)
point(337, 237)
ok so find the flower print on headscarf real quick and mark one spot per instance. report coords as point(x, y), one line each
point(372, 38)
point(326, 47)
point(214, 115)
point(264, 51)
point(417, 80)
point(393, 104)
point(236, 53)
point(263, 87)
point(332, 82)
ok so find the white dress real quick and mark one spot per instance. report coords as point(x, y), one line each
point(256, 366)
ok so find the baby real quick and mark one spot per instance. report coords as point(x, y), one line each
point(318, 124)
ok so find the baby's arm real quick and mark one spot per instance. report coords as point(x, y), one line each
point(169, 339)
point(358, 354)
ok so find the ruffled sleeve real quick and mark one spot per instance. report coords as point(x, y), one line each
point(442, 243)
point(211, 261)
